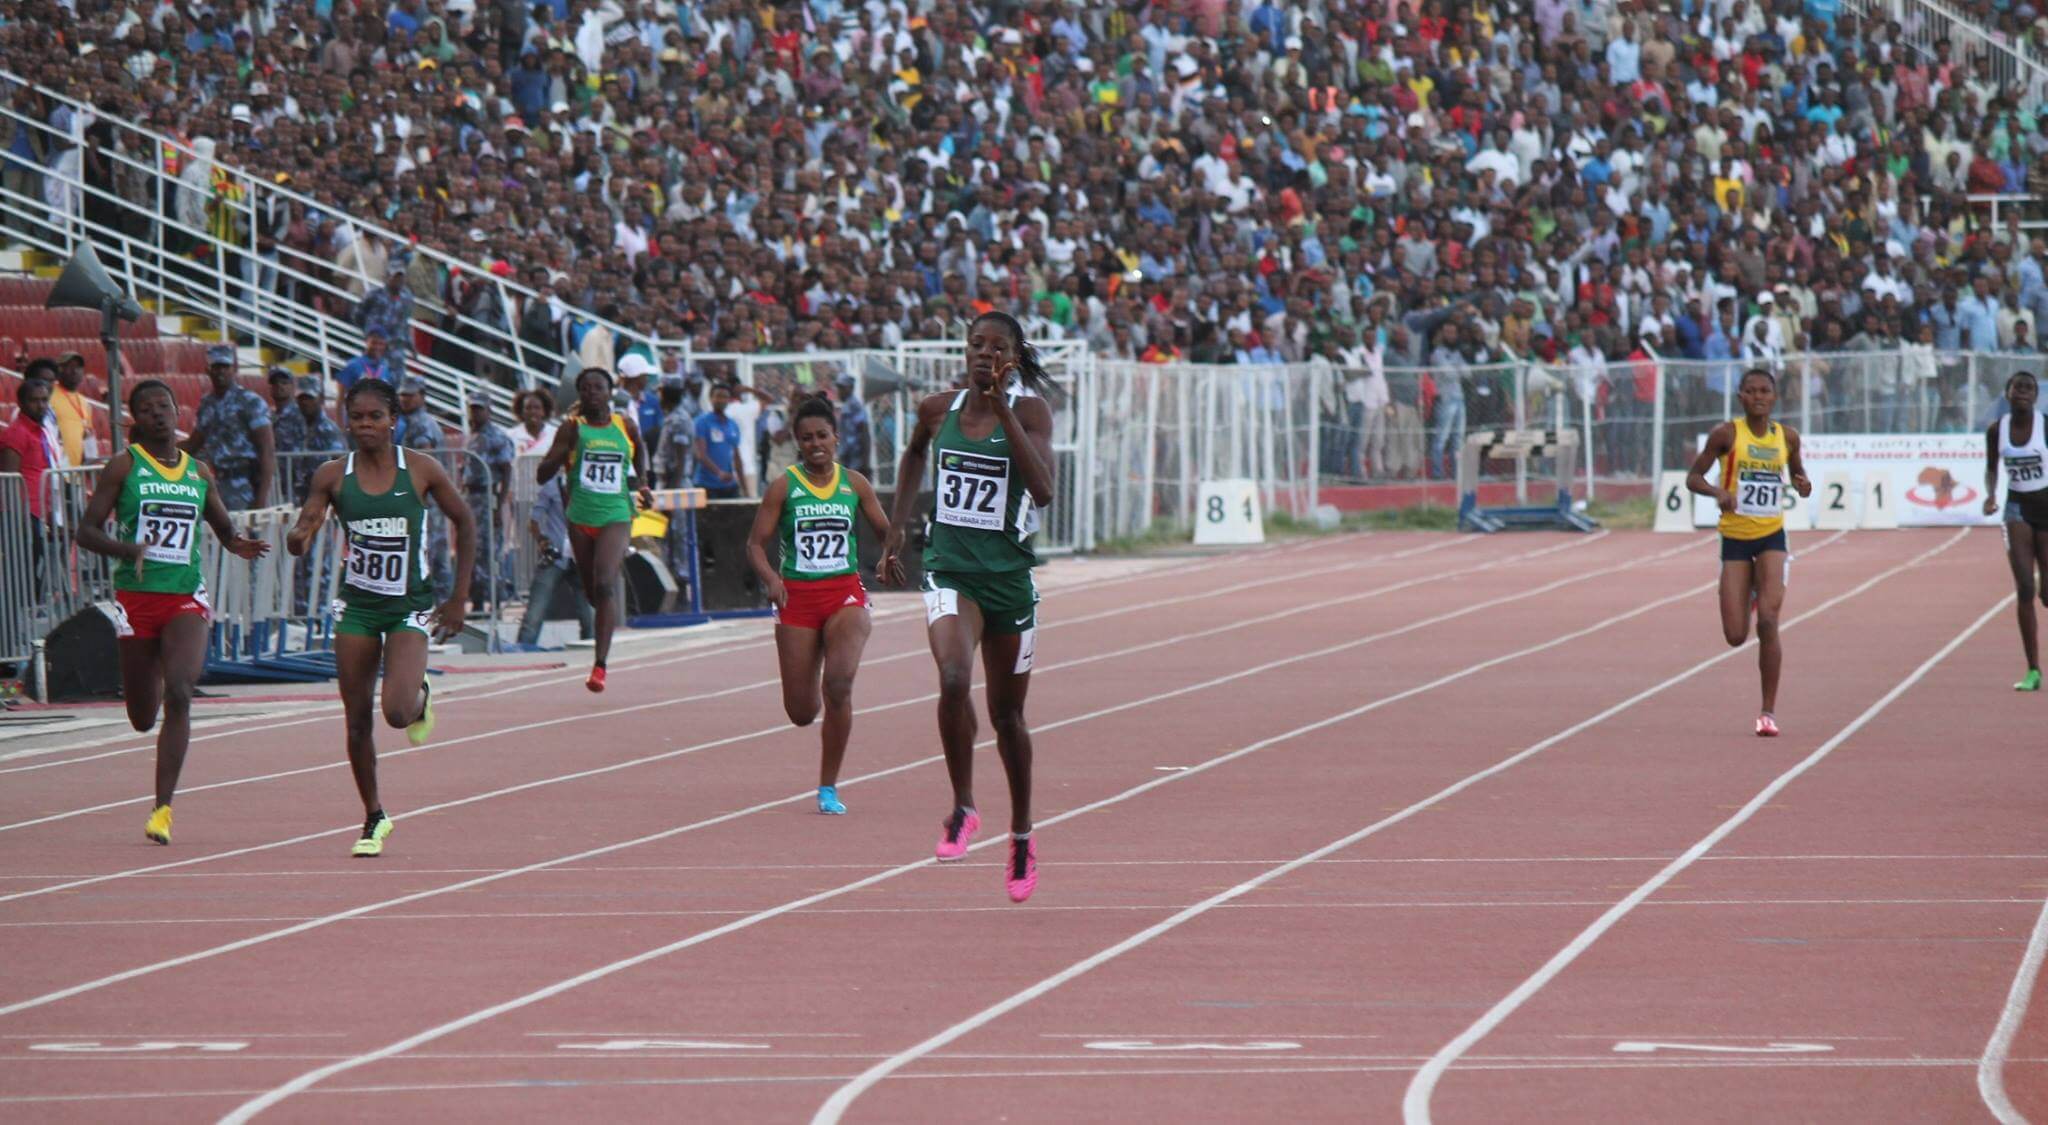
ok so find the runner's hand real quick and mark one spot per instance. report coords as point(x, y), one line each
point(244, 547)
point(1991, 505)
point(646, 499)
point(890, 569)
point(1801, 485)
point(1726, 500)
point(778, 594)
point(448, 618)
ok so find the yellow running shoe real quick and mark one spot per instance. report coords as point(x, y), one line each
point(420, 728)
point(375, 827)
point(159, 826)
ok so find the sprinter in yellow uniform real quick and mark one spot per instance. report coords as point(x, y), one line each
point(1755, 455)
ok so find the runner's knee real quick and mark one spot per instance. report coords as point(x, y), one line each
point(838, 689)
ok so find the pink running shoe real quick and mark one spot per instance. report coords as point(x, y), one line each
point(1020, 875)
point(1766, 727)
point(956, 831)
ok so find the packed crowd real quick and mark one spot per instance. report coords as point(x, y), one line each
point(1412, 192)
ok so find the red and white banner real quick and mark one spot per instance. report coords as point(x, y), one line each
point(1937, 478)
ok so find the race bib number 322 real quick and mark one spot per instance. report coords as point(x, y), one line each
point(974, 490)
point(821, 543)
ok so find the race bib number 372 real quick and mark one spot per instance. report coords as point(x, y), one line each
point(974, 490)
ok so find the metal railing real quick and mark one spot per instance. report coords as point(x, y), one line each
point(1925, 23)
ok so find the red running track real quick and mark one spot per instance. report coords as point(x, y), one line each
point(1456, 829)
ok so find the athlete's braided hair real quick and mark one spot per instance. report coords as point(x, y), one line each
point(374, 386)
point(816, 406)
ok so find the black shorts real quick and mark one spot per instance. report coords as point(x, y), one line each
point(1748, 550)
point(2030, 508)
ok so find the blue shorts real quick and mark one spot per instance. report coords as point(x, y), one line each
point(1749, 550)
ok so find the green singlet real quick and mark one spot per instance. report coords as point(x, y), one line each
point(598, 472)
point(818, 528)
point(162, 507)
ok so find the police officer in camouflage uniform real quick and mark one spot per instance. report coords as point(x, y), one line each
point(304, 429)
point(484, 487)
point(233, 435)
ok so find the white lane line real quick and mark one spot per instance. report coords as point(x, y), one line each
point(907, 654)
point(1415, 1102)
point(644, 661)
point(355, 912)
point(925, 910)
point(835, 1106)
point(1991, 1068)
point(625, 868)
point(769, 731)
point(251, 1108)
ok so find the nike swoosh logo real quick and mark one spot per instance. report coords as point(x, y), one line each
point(398, 492)
point(998, 439)
point(1022, 620)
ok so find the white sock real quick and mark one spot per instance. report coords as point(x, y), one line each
point(1020, 837)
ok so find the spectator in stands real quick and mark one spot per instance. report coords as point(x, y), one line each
point(856, 442)
point(45, 369)
point(26, 446)
point(677, 436)
point(487, 487)
point(389, 311)
point(376, 362)
point(233, 435)
point(416, 427)
point(73, 413)
point(635, 396)
point(536, 429)
point(283, 390)
point(721, 463)
point(304, 435)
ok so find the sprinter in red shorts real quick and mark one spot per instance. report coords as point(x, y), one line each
point(821, 608)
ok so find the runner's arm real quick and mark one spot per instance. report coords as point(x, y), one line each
point(1991, 470)
point(1719, 441)
point(1796, 463)
point(92, 526)
point(319, 495)
point(558, 452)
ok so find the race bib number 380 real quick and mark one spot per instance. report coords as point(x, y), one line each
point(603, 471)
point(377, 563)
point(165, 529)
point(974, 490)
point(821, 543)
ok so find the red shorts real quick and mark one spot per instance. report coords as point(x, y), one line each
point(812, 603)
point(142, 614)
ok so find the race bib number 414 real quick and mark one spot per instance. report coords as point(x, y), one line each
point(974, 490)
point(603, 471)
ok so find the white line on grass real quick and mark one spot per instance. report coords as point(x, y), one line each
point(842, 1098)
point(1415, 1103)
point(251, 1108)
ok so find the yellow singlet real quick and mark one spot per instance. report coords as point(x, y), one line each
point(1754, 469)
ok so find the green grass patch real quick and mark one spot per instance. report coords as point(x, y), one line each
point(1162, 534)
point(1637, 514)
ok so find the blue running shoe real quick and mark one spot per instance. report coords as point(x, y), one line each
point(828, 801)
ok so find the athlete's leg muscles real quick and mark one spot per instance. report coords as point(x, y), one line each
point(1007, 688)
point(1770, 599)
point(182, 654)
point(608, 554)
point(355, 666)
point(405, 672)
point(846, 637)
point(1736, 585)
point(953, 638)
point(798, 652)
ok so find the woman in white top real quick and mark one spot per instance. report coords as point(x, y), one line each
point(2019, 442)
point(536, 428)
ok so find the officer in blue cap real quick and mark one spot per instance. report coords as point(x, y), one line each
point(233, 435)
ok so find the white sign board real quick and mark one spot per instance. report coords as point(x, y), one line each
point(1227, 512)
point(1927, 480)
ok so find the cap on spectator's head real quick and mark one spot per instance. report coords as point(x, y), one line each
point(476, 401)
point(1293, 43)
point(241, 113)
point(278, 374)
point(1185, 66)
point(672, 382)
point(412, 385)
point(1013, 36)
point(559, 108)
point(219, 354)
point(394, 267)
point(1893, 248)
point(67, 357)
point(429, 64)
point(312, 386)
point(514, 123)
point(259, 89)
point(1085, 65)
point(1763, 298)
point(845, 379)
point(634, 366)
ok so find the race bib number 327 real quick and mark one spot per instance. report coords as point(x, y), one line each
point(974, 490)
point(165, 530)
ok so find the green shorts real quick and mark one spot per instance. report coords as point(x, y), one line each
point(378, 616)
point(1008, 601)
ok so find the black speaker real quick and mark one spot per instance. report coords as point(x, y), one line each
point(81, 656)
point(729, 582)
